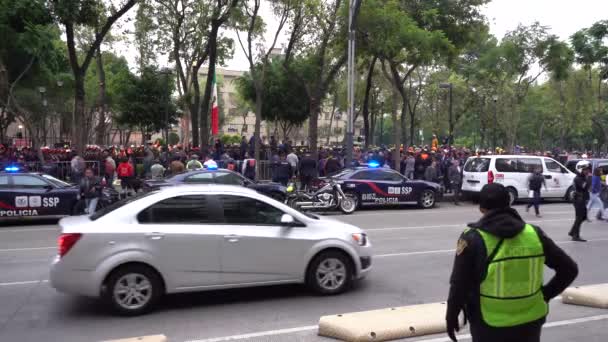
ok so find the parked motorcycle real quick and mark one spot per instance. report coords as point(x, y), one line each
point(329, 197)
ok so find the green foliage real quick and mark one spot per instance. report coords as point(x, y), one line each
point(283, 99)
point(173, 138)
point(230, 139)
point(142, 101)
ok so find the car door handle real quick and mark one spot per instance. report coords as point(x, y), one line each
point(232, 238)
point(155, 236)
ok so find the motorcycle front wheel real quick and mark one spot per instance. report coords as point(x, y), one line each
point(348, 204)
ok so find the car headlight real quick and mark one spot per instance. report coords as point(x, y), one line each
point(360, 238)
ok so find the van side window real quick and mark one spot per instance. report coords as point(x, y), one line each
point(506, 165)
point(529, 165)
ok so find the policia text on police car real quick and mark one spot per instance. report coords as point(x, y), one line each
point(497, 279)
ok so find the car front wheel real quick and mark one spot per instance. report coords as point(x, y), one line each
point(427, 199)
point(133, 290)
point(330, 273)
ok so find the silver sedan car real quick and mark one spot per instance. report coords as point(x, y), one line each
point(203, 237)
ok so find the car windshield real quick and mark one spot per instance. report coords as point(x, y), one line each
point(342, 174)
point(477, 165)
point(58, 183)
point(106, 210)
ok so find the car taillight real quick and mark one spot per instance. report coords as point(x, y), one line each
point(66, 242)
point(490, 177)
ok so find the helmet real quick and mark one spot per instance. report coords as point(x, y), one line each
point(581, 165)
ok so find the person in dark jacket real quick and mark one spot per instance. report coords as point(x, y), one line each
point(308, 170)
point(244, 148)
point(432, 173)
point(90, 190)
point(471, 269)
point(581, 196)
point(332, 165)
point(535, 182)
point(455, 177)
point(282, 171)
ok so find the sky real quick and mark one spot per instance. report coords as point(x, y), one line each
point(563, 17)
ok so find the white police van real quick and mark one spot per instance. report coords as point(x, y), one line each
point(513, 172)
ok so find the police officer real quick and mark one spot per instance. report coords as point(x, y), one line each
point(282, 171)
point(497, 279)
point(194, 164)
point(582, 184)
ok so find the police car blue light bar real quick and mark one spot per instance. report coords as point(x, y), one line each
point(211, 167)
point(11, 169)
point(373, 164)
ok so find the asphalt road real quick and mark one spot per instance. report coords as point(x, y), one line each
point(413, 255)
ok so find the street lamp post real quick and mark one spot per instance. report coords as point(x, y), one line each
point(495, 98)
point(353, 9)
point(450, 86)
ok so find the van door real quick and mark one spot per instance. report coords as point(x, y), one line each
point(557, 178)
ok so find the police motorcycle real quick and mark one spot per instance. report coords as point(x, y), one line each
point(328, 197)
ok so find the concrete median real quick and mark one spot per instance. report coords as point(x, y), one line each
point(151, 338)
point(595, 296)
point(385, 324)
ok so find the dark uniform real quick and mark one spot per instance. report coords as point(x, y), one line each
point(471, 265)
point(582, 184)
point(282, 172)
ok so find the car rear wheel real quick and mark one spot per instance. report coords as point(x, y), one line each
point(427, 199)
point(330, 273)
point(133, 290)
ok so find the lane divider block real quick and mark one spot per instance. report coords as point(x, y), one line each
point(595, 296)
point(151, 338)
point(385, 324)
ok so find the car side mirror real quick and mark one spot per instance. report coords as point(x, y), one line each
point(288, 221)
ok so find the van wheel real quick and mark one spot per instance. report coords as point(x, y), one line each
point(512, 196)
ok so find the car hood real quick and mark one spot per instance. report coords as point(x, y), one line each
point(336, 225)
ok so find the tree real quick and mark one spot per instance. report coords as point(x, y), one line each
point(70, 14)
point(254, 27)
point(142, 102)
point(315, 53)
point(283, 102)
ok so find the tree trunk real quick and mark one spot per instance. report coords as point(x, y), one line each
point(396, 129)
point(331, 117)
point(78, 133)
point(205, 107)
point(195, 110)
point(258, 119)
point(365, 111)
point(101, 101)
point(313, 126)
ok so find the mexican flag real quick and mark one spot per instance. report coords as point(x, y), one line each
point(215, 114)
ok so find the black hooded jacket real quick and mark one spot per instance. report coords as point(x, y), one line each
point(470, 263)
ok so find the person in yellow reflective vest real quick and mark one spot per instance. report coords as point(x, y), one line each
point(497, 278)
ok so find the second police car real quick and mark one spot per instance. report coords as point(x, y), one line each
point(375, 186)
point(34, 194)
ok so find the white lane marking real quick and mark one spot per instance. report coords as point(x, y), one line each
point(259, 334)
point(438, 251)
point(26, 249)
point(440, 339)
point(474, 209)
point(463, 226)
point(27, 230)
point(29, 282)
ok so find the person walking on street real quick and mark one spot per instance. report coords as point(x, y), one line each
point(581, 196)
point(308, 171)
point(432, 174)
point(497, 277)
point(535, 182)
point(455, 177)
point(90, 191)
point(410, 166)
point(596, 191)
point(126, 174)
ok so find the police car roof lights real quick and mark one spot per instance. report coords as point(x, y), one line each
point(211, 167)
point(11, 168)
point(373, 164)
